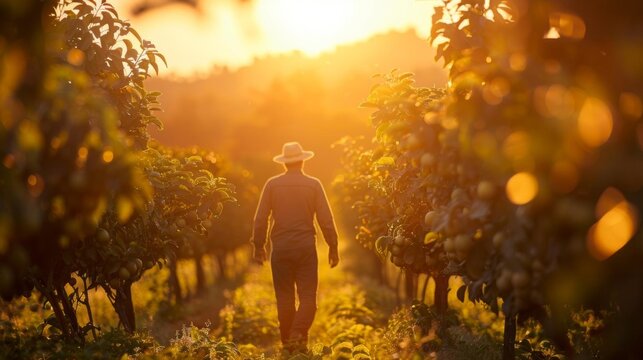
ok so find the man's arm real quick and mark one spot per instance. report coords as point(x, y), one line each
point(260, 228)
point(327, 224)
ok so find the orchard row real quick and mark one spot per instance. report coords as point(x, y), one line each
point(88, 201)
point(519, 177)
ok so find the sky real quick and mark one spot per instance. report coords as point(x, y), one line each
point(232, 33)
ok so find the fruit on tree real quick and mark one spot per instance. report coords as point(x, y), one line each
point(503, 282)
point(462, 243)
point(102, 235)
point(449, 245)
point(427, 160)
point(123, 273)
point(400, 240)
point(131, 267)
point(429, 218)
point(520, 279)
point(115, 283)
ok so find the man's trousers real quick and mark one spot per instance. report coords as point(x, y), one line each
point(295, 269)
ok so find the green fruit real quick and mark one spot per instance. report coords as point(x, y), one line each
point(459, 195)
point(497, 240)
point(413, 142)
point(520, 280)
point(462, 243)
point(430, 218)
point(149, 264)
point(123, 273)
point(102, 235)
point(397, 250)
point(449, 245)
point(181, 223)
point(486, 190)
point(115, 283)
point(400, 240)
point(427, 160)
point(131, 267)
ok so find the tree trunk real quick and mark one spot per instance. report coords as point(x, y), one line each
point(409, 285)
point(424, 287)
point(90, 316)
point(174, 282)
point(58, 312)
point(509, 338)
point(125, 307)
point(398, 283)
point(221, 257)
point(70, 313)
point(200, 274)
point(440, 297)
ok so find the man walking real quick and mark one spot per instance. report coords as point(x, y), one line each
point(292, 199)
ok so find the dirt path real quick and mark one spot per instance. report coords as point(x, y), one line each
point(352, 311)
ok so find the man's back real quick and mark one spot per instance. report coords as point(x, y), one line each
point(293, 199)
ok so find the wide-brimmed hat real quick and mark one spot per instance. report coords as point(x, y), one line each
point(292, 152)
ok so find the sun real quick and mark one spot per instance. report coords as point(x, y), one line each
point(310, 26)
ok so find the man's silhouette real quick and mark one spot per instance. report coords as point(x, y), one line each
point(292, 200)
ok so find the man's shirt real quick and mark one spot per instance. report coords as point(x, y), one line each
point(293, 199)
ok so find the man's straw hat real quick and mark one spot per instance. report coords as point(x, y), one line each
point(292, 152)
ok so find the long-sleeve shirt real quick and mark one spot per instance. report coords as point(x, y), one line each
point(293, 199)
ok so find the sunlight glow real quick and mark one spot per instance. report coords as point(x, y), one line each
point(311, 24)
point(227, 33)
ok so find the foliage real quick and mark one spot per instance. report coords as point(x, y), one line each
point(523, 117)
point(82, 193)
point(249, 320)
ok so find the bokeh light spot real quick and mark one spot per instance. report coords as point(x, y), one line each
point(595, 122)
point(614, 229)
point(567, 25)
point(522, 188)
point(495, 90)
point(76, 57)
point(35, 184)
point(108, 156)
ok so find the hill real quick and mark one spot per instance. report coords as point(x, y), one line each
point(249, 112)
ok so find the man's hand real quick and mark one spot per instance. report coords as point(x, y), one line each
point(259, 256)
point(333, 258)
